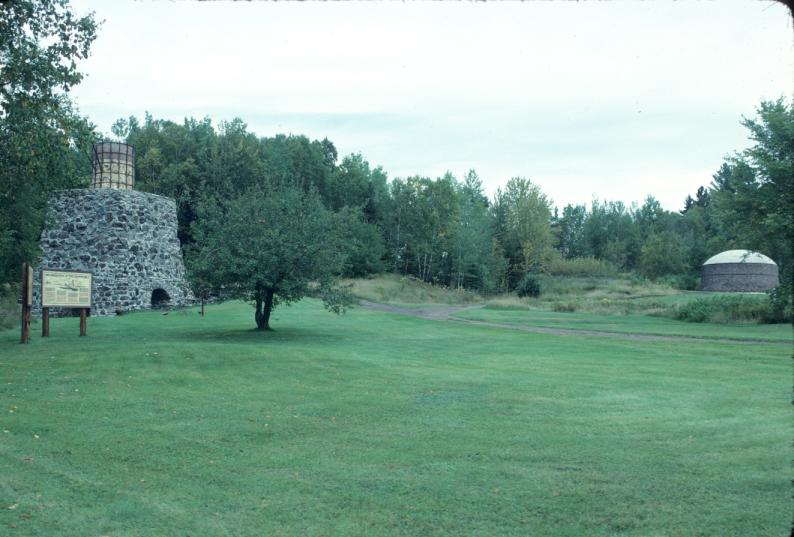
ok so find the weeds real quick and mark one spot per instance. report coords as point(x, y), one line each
point(582, 267)
point(9, 309)
point(633, 296)
point(408, 290)
point(722, 309)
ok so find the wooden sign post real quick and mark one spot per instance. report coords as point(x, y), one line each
point(45, 322)
point(67, 289)
point(83, 327)
point(27, 300)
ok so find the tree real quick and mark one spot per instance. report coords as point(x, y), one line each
point(363, 244)
point(524, 219)
point(44, 143)
point(349, 185)
point(662, 254)
point(612, 233)
point(473, 239)
point(649, 217)
point(753, 193)
point(571, 231)
point(270, 246)
point(40, 44)
point(308, 163)
point(422, 225)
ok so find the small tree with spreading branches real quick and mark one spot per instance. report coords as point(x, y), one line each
point(271, 247)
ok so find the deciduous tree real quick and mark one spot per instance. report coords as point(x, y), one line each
point(44, 142)
point(270, 246)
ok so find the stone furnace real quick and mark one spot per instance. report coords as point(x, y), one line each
point(127, 239)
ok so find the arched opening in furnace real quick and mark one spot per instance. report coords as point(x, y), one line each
point(160, 299)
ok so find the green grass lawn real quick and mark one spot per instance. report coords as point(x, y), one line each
point(379, 424)
point(631, 324)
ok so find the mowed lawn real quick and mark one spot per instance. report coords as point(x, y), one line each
point(377, 424)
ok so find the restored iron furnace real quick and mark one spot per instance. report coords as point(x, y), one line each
point(127, 239)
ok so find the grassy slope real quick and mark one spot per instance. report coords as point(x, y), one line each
point(605, 296)
point(377, 424)
point(406, 290)
point(631, 324)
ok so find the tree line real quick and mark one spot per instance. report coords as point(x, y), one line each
point(296, 199)
point(447, 231)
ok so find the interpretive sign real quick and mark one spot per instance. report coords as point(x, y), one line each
point(65, 288)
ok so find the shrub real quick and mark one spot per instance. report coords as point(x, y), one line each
point(781, 306)
point(722, 309)
point(685, 282)
point(661, 254)
point(528, 285)
point(564, 307)
point(582, 266)
point(9, 310)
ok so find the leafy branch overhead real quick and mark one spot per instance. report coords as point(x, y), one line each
point(44, 143)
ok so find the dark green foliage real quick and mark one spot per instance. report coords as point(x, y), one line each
point(611, 234)
point(40, 43)
point(445, 231)
point(350, 184)
point(363, 244)
point(44, 143)
point(752, 195)
point(422, 226)
point(269, 247)
point(475, 265)
point(9, 310)
point(781, 306)
point(660, 255)
point(528, 285)
point(582, 267)
point(570, 232)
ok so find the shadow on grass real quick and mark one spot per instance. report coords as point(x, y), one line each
point(288, 334)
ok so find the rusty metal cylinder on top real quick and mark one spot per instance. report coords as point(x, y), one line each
point(113, 165)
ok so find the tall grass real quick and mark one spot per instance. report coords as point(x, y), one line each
point(408, 290)
point(9, 309)
point(624, 296)
point(616, 295)
point(582, 267)
point(721, 309)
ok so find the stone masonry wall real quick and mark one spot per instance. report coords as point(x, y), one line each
point(739, 277)
point(127, 239)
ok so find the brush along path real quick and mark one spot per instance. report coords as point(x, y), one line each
point(447, 312)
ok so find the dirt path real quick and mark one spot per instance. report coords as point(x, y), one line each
point(444, 313)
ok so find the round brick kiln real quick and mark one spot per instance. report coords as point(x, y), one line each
point(739, 271)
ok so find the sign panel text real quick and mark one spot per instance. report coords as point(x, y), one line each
point(65, 289)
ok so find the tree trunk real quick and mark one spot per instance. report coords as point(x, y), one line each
point(264, 305)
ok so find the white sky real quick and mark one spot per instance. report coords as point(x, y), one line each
point(610, 99)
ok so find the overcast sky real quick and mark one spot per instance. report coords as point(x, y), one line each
point(609, 99)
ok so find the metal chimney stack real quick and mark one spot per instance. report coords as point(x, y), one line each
point(113, 165)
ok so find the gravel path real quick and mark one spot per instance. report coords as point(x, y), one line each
point(444, 313)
